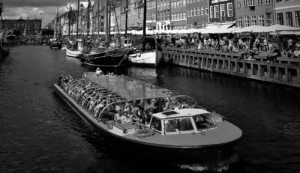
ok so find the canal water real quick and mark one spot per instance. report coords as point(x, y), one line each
point(40, 133)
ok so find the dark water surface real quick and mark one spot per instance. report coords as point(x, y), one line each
point(39, 133)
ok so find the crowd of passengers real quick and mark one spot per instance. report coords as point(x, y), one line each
point(90, 96)
point(94, 98)
point(140, 111)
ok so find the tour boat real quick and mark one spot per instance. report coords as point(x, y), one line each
point(142, 117)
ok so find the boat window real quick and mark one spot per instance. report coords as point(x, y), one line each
point(156, 124)
point(203, 121)
point(178, 124)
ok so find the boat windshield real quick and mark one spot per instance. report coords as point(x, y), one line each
point(204, 121)
point(175, 125)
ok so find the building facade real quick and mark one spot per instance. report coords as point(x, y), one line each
point(98, 16)
point(26, 27)
point(151, 14)
point(197, 13)
point(254, 12)
point(163, 15)
point(221, 11)
point(287, 12)
point(178, 14)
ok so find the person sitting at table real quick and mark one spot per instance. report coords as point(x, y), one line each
point(275, 53)
point(297, 51)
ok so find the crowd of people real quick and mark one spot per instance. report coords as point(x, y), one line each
point(248, 47)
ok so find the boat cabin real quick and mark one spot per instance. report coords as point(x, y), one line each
point(182, 121)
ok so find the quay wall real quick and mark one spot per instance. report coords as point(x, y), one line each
point(286, 71)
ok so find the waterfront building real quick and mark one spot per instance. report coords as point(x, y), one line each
point(163, 15)
point(25, 27)
point(197, 13)
point(254, 12)
point(151, 14)
point(221, 11)
point(288, 12)
point(178, 14)
point(98, 16)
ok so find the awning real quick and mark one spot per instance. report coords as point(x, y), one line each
point(217, 28)
point(277, 28)
point(289, 33)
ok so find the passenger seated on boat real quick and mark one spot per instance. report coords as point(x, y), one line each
point(184, 105)
point(166, 104)
point(118, 116)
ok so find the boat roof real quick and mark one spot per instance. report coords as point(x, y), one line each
point(128, 87)
point(179, 113)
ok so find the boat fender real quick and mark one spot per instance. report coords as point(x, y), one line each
point(144, 133)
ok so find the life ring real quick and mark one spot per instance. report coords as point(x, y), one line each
point(144, 133)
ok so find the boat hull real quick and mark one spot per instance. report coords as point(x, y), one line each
point(188, 153)
point(144, 59)
point(106, 60)
point(74, 53)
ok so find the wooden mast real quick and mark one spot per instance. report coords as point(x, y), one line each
point(98, 18)
point(144, 23)
point(126, 18)
point(107, 22)
point(77, 26)
point(88, 18)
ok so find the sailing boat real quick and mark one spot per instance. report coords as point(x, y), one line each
point(102, 57)
point(148, 55)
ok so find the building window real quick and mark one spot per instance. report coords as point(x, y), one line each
point(289, 18)
point(216, 11)
point(188, 13)
point(251, 2)
point(198, 12)
point(268, 1)
point(280, 18)
point(184, 16)
point(253, 20)
point(297, 18)
point(202, 11)
point(247, 22)
point(192, 13)
point(206, 10)
point(259, 2)
point(244, 3)
point(211, 12)
point(183, 2)
point(261, 20)
point(239, 3)
point(229, 9)
point(222, 11)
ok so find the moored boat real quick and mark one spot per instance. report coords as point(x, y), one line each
point(74, 53)
point(139, 115)
point(143, 59)
point(75, 49)
point(116, 58)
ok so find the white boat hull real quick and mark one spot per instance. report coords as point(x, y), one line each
point(144, 58)
point(74, 53)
